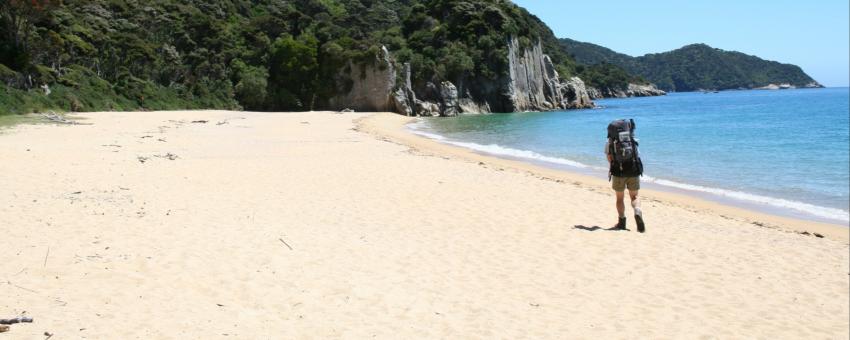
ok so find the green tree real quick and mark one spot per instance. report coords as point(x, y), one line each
point(17, 17)
point(251, 85)
point(457, 61)
point(293, 75)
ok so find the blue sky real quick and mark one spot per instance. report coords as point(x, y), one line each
point(814, 35)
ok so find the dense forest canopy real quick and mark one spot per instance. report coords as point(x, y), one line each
point(694, 67)
point(252, 54)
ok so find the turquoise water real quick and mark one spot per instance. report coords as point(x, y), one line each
point(784, 152)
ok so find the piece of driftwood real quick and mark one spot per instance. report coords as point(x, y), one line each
point(15, 320)
point(169, 156)
point(24, 288)
point(53, 117)
point(45, 257)
point(284, 242)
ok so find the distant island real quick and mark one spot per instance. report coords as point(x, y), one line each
point(696, 67)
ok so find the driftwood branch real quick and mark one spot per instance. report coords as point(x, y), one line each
point(15, 320)
point(24, 288)
point(53, 117)
point(284, 242)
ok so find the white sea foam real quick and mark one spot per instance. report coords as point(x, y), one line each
point(498, 150)
point(416, 127)
point(822, 212)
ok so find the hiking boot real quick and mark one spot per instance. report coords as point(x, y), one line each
point(621, 224)
point(639, 220)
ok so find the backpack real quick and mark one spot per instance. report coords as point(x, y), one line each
point(624, 146)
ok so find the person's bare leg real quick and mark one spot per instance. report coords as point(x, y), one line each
point(638, 213)
point(635, 200)
point(621, 211)
point(621, 207)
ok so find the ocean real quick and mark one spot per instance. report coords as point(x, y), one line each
point(782, 152)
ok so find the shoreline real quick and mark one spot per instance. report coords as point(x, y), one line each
point(781, 207)
point(382, 124)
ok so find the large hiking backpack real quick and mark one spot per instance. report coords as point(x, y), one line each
point(624, 146)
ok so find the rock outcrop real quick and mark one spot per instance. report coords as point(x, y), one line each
point(533, 81)
point(427, 109)
point(787, 86)
point(371, 85)
point(535, 85)
point(575, 94)
point(776, 87)
point(632, 90)
point(401, 104)
point(594, 93)
point(404, 99)
point(468, 105)
point(647, 90)
point(449, 100)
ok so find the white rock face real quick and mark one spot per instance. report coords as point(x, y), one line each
point(594, 93)
point(575, 94)
point(400, 104)
point(404, 99)
point(371, 85)
point(647, 90)
point(774, 87)
point(448, 94)
point(530, 78)
point(535, 85)
point(427, 109)
point(468, 105)
point(531, 84)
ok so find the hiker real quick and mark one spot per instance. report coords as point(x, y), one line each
point(625, 169)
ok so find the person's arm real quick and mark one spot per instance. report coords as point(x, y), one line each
point(610, 158)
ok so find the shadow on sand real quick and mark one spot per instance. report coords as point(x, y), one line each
point(595, 228)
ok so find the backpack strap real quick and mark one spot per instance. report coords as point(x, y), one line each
point(635, 159)
point(632, 139)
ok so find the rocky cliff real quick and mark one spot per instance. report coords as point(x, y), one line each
point(531, 83)
point(371, 85)
point(535, 85)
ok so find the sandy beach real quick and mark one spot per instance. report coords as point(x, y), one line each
point(221, 225)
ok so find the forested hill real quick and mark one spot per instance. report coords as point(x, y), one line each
point(695, 67)
point(252, 54)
